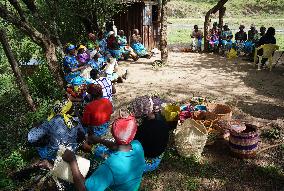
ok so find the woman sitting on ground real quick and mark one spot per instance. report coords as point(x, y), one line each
point(97, 112)
point(111, 70)
point(153, 131)
point(240, 38)
point(113, 46)
point(72, 68)
point(226, 38)
point(213, 37)
point(61, 128)
point(83, 55)
point(137, 46)
point(107, 86)
point(123, 168)
point(102, 43)
point(126, 50)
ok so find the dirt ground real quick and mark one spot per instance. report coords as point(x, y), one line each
point(256, 96)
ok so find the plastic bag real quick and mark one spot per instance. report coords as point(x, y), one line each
point(170, 112)
point(62, 169)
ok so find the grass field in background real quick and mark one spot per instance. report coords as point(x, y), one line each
point(234, 8)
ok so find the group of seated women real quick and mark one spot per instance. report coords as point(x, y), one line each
point(139, 138)
point(127, 146)
point(244, 42)
point(101, 52)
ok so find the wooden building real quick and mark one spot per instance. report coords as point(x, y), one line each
point(144, 16)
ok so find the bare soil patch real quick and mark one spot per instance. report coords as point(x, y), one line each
point(256, 96)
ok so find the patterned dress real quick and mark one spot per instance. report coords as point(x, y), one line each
point(70, 62)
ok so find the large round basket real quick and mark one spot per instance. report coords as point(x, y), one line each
point(224, 112)
point(245, 143)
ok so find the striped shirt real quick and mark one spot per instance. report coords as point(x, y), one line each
point(106, 85)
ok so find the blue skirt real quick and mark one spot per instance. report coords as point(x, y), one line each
point(153, 163)
point(101, 130)
point(139, 49)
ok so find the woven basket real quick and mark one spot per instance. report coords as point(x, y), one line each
point(190, 138)
point(245, 143)
point(223, 112)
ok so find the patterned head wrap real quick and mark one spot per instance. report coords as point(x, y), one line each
point(141, 106)
point(124, 130)
point(62, 108)
point(81, 47)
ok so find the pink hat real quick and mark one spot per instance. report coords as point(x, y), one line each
point(124, 130)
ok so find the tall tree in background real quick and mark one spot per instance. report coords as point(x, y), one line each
point(16, 70)
point(18, 17)
point(164, 28)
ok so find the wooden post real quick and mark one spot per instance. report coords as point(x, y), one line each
point(206, 32)
point(16, 70)
point(221, 16)
point(164, 26)
point(219, 7)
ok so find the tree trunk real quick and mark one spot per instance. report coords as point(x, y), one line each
point(221, 17)
point(53, 65)
point(16, 70)
point(219, 7)
point(163, 38)
point(206, 32)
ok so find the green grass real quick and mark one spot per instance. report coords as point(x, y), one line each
point(235, 8)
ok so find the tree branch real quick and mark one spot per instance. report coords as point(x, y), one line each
point(8, 16)
point(18, 8)
point(30, 5)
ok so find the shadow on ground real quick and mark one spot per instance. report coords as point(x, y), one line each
point(222, 173)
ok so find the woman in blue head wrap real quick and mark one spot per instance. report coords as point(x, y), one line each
point(71, 66)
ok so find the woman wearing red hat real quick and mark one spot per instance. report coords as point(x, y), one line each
point(97, 112)
point(123, 168)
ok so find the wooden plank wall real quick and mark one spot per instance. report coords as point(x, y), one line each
point(133, 19)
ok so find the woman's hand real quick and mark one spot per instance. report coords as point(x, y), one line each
point(91, 139)
point(69, 156)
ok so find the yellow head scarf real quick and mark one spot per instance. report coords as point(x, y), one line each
point(61, 108)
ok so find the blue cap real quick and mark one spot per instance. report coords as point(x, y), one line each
point(70, 47)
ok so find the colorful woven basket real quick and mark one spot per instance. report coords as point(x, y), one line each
point(244, 144)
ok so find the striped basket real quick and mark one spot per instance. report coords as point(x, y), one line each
point(245, 143)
